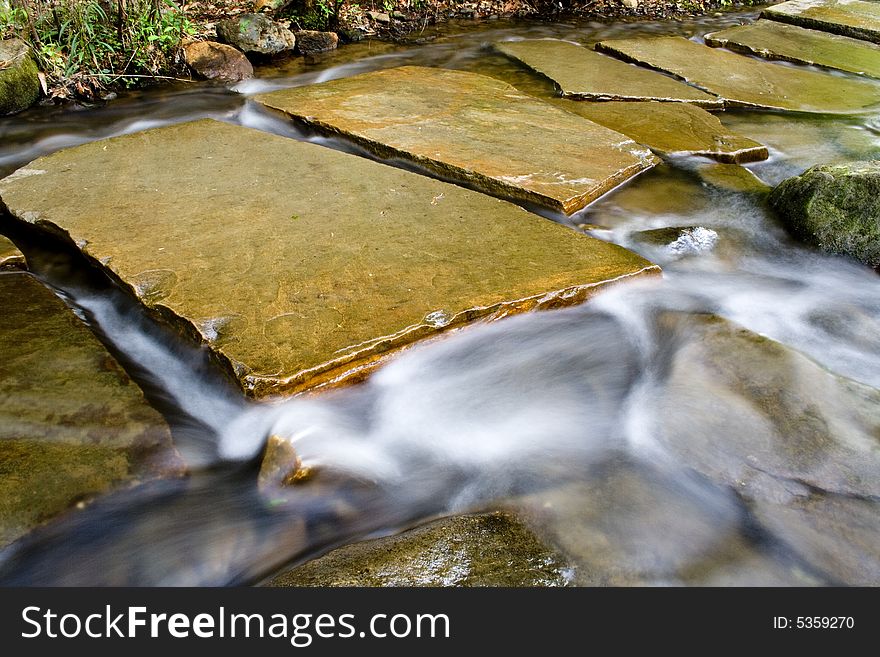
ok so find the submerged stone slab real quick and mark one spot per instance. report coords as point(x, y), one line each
point(584, 74)
point(796, 44)
point(296, 264)
point(72, 424)
point(852, 18)
point(673, 129)
point(747, 82)
point(490, 549)
point(471, 128)
point(10, 256)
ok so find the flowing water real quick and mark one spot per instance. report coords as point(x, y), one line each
point(717, 426)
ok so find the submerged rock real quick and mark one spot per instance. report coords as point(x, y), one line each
point(747, 82)
point(805, 452)
point(581, 73)
point(312, 42)
point(19, 82)
point(732, 178)
point(679, 241)
point(256, 34)
point(10, 256)
point(491, 549)
point(217, 61)
point(673, 129)
point(769, 392)
point(834, 207)
point(852, 18)
point(633, 524)
point(72, 424)
point(308, 266)
point(795, 44)
point(472, 128)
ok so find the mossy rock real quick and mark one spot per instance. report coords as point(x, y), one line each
point(19, 80)
point(489, 549)
point(834, 207)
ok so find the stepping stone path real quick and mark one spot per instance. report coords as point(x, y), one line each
point(10, 256)
point(296, 264)
point(852, 18)
point(583, 74)
point(796, 44)
point(72, 424)
point(673, 129)
point(746, 82)
point(471, 128)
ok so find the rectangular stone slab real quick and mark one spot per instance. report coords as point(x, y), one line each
point(296, 264)
point(852, 18)
point(583, 74)
point(746, 82)
point(473, 128)
point(10, 256)
point(673, 129)
point(790, 43)
point(72, 424)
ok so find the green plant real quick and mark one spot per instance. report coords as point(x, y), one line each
point(84, 46)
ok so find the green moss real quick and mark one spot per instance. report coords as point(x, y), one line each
point(493, 549)
point(19, 84)
point(836, 208)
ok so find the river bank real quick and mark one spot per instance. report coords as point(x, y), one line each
point(148, 46)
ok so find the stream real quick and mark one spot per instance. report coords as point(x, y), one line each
point(716, 426)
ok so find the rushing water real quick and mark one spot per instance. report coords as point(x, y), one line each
point(646, 439)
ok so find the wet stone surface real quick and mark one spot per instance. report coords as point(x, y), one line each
point(582, 73)
point(747, 82)
point(471, 128)
point(72, 424)
point(796, 44)
point(852, 18)
point(10, 256)
point(491, 549)
point(296, 264)
point(673, 129)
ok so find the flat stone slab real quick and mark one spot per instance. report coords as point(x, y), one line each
point(489, 549)
point(673, 129)
point(746, 82)
point(852, 18)
point(790, 43)
point(296, 264)
point(583, 74)
point(471, 128)
point(10, 256)
point(72, 424)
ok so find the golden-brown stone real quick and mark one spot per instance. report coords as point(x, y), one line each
point(474, 129)
point(746, 82)
point(296, 264)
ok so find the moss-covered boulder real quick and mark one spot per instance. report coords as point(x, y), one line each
point(834, 207)
point(490, 549)
point(19, 82)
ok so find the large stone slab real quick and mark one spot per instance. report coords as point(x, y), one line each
point(296, 264)
point(796, 44)
point(472, 128)
point(747, 82)
point(490, 549)
point(673, 129)
point(10, 256)
point(72, 424)
point(580, 73)
point(852, 18)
